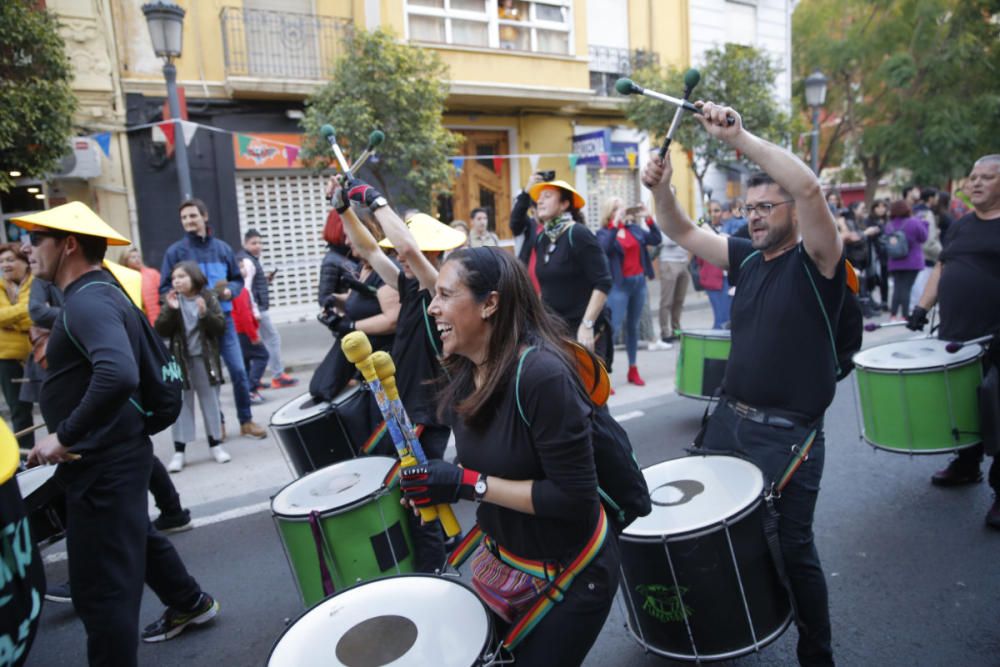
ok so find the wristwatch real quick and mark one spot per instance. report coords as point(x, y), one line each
point(378, 203)
point(588, 324)
point(480, 488)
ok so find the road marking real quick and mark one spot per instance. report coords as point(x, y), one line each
point(624, 417)
point(235, 513)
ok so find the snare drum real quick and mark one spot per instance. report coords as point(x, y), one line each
point(313, 434)
point(348, 514)
point(697, 574)
point(45, 502)
point(917, 398)
point(701, 364)
point(408, 620)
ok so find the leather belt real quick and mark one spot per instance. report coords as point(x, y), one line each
point(759, 416)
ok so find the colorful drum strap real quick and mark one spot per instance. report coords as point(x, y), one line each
point(560, 579)
point(379, 433)
point(799, 455)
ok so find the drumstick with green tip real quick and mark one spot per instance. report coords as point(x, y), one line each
point(358, 350)
point(386, 371)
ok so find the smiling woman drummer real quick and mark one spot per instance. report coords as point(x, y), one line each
point(522, 429)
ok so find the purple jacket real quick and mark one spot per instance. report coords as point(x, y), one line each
point(915, 230)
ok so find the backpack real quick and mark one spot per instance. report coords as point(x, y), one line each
point(621, 484)
point(161, 382)
point(896, 245)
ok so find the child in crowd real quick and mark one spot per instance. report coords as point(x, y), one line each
point(193, 321)
point(255, 355)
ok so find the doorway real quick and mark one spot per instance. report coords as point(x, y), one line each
point(479, 184)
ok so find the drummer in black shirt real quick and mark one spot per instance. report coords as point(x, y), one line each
point(416, 349)
point(781, 373)
point(966, 284)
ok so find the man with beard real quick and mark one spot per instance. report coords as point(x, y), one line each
point(781, 374)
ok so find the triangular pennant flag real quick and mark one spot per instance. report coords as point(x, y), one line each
point(573, 157)
point(167, 127)
point(498, 165)
point(603, 159)
point(631, 156)
point(533, 159)
point(244, 142)
point(189, 129)
point(291, 154)
point(459, 162)
point(103, 140)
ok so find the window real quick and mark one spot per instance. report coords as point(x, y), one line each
point(741, 23)
point(541, 26)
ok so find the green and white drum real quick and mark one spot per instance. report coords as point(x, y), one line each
point(917, 398)
point(701, 365)
point(343, 523)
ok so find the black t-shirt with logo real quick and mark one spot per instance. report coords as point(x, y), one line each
point(23, 583)
point(782, 355)
point(969, 290)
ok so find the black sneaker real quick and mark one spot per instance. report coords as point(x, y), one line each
point(174, 523)
point(956, 474)
point(58, 593)
point(173, 621)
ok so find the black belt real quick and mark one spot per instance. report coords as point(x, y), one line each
point(768, 418)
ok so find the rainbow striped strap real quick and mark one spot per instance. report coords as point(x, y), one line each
point(391, 478)
point(374, 438)
point(799, 455)
point(466, 547)
point(562, 582)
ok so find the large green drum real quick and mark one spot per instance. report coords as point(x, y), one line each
point(918, 398)
point(701, 365)
point(348, 515)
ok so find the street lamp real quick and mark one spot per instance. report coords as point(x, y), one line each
point(166, 30)
point(815, 97)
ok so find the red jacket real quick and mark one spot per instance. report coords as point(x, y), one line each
point(710, 275)
point(243, 318)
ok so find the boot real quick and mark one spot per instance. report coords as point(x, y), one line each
point(633, 376)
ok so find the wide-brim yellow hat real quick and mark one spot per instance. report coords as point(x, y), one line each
point(10, 455)
point(130, 279)
point(536, 189)
point(431, 234)
point(74, 218)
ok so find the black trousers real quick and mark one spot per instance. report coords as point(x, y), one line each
point(769, 447)
point(566, 634)
point(113, 548)
point(20, 411)
point(902, 285)
point(428, 539)
point(165, 495)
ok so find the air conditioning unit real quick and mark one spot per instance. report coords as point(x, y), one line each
point(82, 161)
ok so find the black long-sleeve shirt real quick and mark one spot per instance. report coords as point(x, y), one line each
point(555, 452)
point(569, 274)
point(522, 224)
point(85, 398)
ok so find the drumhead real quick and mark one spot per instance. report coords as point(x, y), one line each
point(717, 334)
point(908, 355)
point(30, 480)
point(696, 492)
point(402, 620)
point(305, 408)
point(339, 485)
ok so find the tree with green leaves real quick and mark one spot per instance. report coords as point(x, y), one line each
point(382, 84)
point(912, 83)
point(741, 76)
point(36, 101)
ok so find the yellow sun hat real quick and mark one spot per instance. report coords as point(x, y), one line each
point(10, 455)
point(431, 234)
point(130, 279)
point(536, 189)
point(74, 218)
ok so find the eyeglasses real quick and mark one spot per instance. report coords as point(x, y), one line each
point(763, 210)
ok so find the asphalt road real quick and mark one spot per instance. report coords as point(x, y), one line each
point(912, 570)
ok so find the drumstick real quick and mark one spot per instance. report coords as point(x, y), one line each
point(873, 326)
point(358, 350)
point(955, 346)
point(386, 371)
point(30, 429)
point(69, 455)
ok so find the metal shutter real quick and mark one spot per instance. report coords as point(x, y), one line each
point(603, 184)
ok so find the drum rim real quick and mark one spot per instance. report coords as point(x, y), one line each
point(491, 630)
point(715, 334)
point(918, 452)
point(347, 393)
point(915, 370)
point(736, 517)
point(381, 490)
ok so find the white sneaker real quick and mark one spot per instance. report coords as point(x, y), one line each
point(659, 345)
point(176, 462)
point(220, 455)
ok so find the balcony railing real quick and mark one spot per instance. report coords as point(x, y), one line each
point(281, 45)
point(609, 63)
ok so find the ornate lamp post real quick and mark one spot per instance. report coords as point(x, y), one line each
point(815, 98)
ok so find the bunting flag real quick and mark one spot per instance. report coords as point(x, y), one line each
point(631, 156)
point(498, 165)
point(103, 140)
point(244, 142)
point(188, 128)
point(533, 160)
point(603, 159)
point(167, 127)
point(291, 154)
point(459, 162)
point(573, 157)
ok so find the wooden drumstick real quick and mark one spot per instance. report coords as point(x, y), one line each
point(30, 429)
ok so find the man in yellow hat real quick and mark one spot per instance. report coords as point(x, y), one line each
point(98, 439)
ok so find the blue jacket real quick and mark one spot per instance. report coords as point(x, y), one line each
point(616, 255)
point(213, 256)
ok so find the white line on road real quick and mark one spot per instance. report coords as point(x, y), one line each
point(625, 416)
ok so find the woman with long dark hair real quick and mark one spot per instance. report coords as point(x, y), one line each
point(522, 425)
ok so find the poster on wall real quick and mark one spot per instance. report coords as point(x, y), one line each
point(267, 151)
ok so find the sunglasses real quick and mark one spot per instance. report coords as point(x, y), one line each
point(36, 238)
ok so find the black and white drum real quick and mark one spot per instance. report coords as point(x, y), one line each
point(45, 502)
point(404, 620)
point(698, 577)
point(314, 434)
